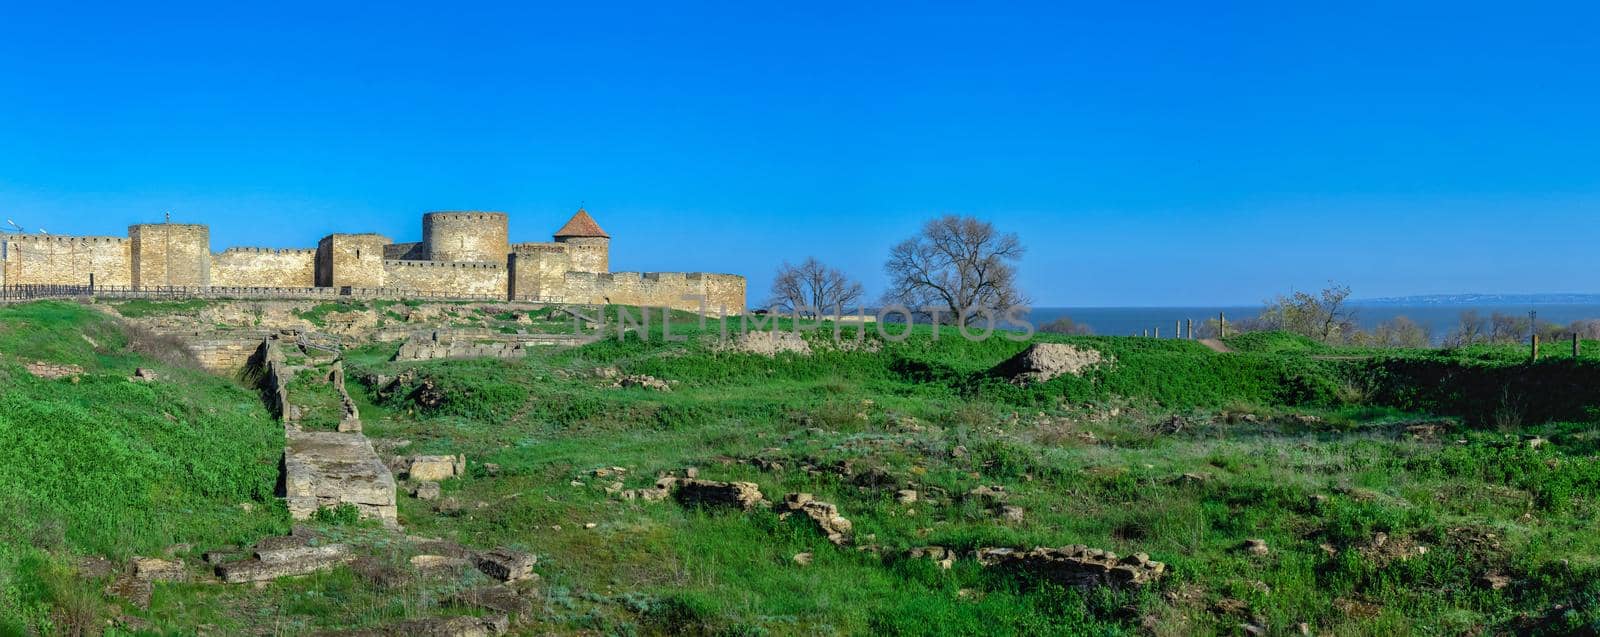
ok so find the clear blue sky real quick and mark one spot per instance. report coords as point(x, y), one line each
point(1147, 154)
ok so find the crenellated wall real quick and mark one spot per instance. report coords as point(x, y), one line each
point(351, 260)
point(264, 267)
point(170, 254)
point(472, 279)
point(31, 259)
point(471, 237)
point(462, 253)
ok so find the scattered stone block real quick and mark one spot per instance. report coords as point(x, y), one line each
point(905, 496)
point(155, 570)
point(743, 495)
point(273, 563)
point(1076, 566)
point(506, 565)
point(942, 556)
point(426, 491)
point(498, 598)
point(432, 563)
point(826, 515)
point(432, 468)
point(52, 371)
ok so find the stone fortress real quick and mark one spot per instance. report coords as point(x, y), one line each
point(464, 255)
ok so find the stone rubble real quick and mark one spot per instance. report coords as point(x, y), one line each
point(694, 492)
point(826, 515)
point(1075, 566)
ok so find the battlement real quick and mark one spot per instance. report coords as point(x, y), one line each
point(397, 263)
point(244, 250)
point(59, 239)
point(465, 215)
point(538, 247)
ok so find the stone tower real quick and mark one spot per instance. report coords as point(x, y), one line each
point(589, 246)
point(465, 236)
point(170, 254)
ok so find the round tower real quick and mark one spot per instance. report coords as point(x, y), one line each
point(465, 236)
point(588, 245)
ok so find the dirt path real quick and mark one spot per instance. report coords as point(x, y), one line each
point(1216, 345)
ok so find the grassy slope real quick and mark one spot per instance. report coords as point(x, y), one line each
point(107, 466)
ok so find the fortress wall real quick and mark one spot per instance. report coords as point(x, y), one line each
point(538, 271)
point(658, 289)
point(722, 291)
point(488, 279)
point(61, 260)
point(589, 254)
point(264, 267)
point(353, 260)
point(170, 254)
point(414, 251)
point(474, 237)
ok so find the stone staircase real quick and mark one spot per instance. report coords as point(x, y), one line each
point(325, 468)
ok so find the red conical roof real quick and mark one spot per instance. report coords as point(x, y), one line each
point(581, 225)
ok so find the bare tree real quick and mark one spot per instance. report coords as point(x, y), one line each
point(1325, 316)
point(1469, 330)
point(956, 263)
point(814, 286)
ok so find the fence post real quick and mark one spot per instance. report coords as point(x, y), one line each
point(1577, 347)
point(1189, 328)
point(1177, 329)
point(1535, 347)
point(1222, 325)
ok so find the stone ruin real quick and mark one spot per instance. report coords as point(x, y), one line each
point(1043, 361)
point(1075, 566)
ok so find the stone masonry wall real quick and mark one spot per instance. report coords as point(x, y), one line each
point(264, 267)
point(60, 260)
point(473, 237)
point(353, 260)
point(538, 270)
point(589, 254)
point(170, 254)
point(414, 251)
point(474, 279)
point(658, 289)
point(725, 293)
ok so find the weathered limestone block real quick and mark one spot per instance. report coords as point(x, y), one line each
point(826, 515)
point(500, 598)
point(485, 626)
point(156, 570)
point(1076, 566)
point(744, 495)
point(506, 565)
point(271, 564)
point(326, 469)
point(435, 468)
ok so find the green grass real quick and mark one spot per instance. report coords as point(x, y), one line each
point(107, 466)
point(1318, 452)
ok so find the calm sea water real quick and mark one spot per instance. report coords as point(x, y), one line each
point(1441, 319)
